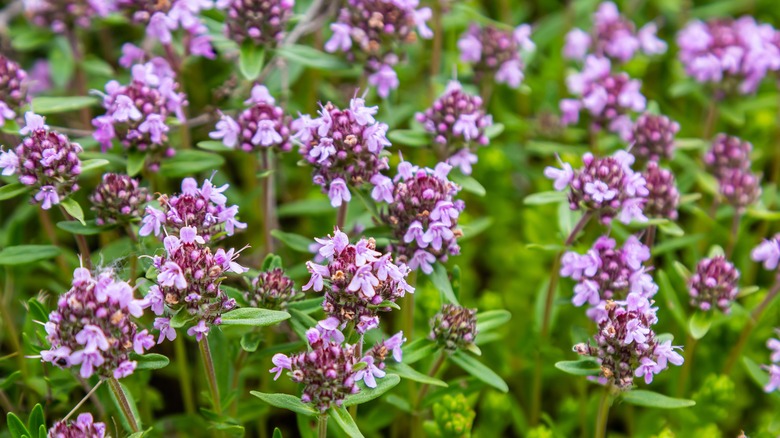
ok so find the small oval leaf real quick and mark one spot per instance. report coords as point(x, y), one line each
point(286, 401)
point(650, 399)
point(24, 254)
point(255, 317)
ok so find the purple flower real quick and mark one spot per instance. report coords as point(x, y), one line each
point(333, 245)
point(338, 192)
point(646, 368)
point(394, 344)
point(166, 331)
point(369, 373)
point(510, 73)
point(155, 126)
point(47, 196)
point(33, 122)
point(171, 275)
point(199, 330)
point(423, 260)
point(384, 79)
point(125, 368)
point(586, 291)
point(577, 44)
point(774, 378)
point(470, 48)
point(282, 363)
point(125, 109)
point(318, 273)
point(562, 177)
point(635, 331)
point(341, 39)
point(329, 330)
point(364, 281)
point(664, 352)
point(364, 115)
point(227, 131)
point(382, 191)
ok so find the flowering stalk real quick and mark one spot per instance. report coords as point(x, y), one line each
point(124, 404)
point(269, 198)
point(81, 241)
point(78, 405)
point(603, 413)
point(211, 375)
point(432, 373)
point(751, 323)
point(322, 426)
point(185, 380)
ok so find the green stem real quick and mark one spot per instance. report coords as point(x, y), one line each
point(124, 404)
point(432, 373)
point(603, 414)
point(269, 199)
point(89, 394)
point(322, 426)
point(211, 375)
point(81, 241)
point(709, 122)
point(185, 380)
point(13, 335)
point(341, 218)
point(751, 323)
point(733, 234)
point(685, 372)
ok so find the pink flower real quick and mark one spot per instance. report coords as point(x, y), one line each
point(341, 39)
point(338, 192)
point(384, 79)
point(199, 330)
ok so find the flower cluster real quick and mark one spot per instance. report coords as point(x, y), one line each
point(271, 290)
point(203, 208)
point(163, 18)
point(188, 284)
point(607, 272)
point(496, 53)
point(729, 160)
point(608, 97)
point(652, 137)
point(768, 253)
point(261, 21)
point(327, 370)
point(774, 368)
point(454, 327)
point(357, 280)
point(137, 113)
point(714, 284)
point(61, 15)
point(118, 199)
point(344, 146)
point(13, 89)
point(457, 120)
point(421, 212)
point(733, 55)
point(605, 186)
point(46, 160)
point(91, 326)
point(262, 125)
point(614, 36)
point(375, 358)
point(663, 196)
point(376, 28)
point(626, 346)
point(83, 427)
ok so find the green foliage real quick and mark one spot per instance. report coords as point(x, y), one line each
point(453, 417)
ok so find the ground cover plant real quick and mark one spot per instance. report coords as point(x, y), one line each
point(440, 218)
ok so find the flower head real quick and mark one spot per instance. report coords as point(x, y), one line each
point(272, 289)
point(118, 199)
point(496, 52)
point(454, 327)
point(13, 89)
point(715, 283)
point(83, 427)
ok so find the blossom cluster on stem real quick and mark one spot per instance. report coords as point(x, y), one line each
point(84, 427)
point(715, 283)
point(262, 22)
point(118, 199)
point(91, 327)
point(454, 327)
point(13, 89)
point(497, 53)
point(45, 160)
point(62, 16)
point(774, 367)
point(728, 159)
point(372, 32)
point(272, 289)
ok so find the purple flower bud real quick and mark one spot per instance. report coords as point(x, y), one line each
point(13, 89)
point(454, 327)
point(496, 52)
point(118, 199)
point(663, 197)
point(714, 284)
point(83, 427)
point(263, 22)
point(653, 137)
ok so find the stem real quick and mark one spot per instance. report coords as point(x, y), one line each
point(341, 218)
point(269, 199)
point(322, 426)
point(437, 43)
point(709, 122)
point(81, 241)
point(650, 237)
point(734, 234)
point(408, 308)
point(685, 372)
point(185, 380)
point(603, 415)
point(13, 335)
point(432, 373)
point(79, 79)
point(89, 394)
point(124, 404)
point(751, 323)
point(211, 375)
point(51, 233)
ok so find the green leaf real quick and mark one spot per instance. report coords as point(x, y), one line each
point(55, 105)
point(9, 380)
point(417, 350)
point(62, 64)
point(250, 60)
point(36, 418)
point(214, 146)
point(150, 361)
point(367, 394)
point(671, 228)
point(342, 418)
point(307, 306)
point(88, 166)
point(271, 262)
point(294, 241)
point(479, 370)
point(37, 311)
point(441, 281)
point(755, 371)
point(542, 198)
point(250, 341)
point(24, 254)
point(74, 209)
point(584, 367)
point(26, 38)
point(650, 399)
point(491, 319)
point(494, 130)
point(311, 57)
point(670, 295)
point(468, 183)
point(277, 433)
point(16, 426)
point(187, 162)
point(181, 318)
point(699, 324)
point(254, 317)
point(682, 270)
point(405, 371)
point(475, 228)
point(135, 163)
point(305, 207)
point(88, 228)
point(13, 190)
point(286, 401)
point(409, 137)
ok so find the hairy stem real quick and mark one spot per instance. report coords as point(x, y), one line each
point(603, 414)
point(268, 198)
point(432, 373)
point(185, 380)
point(78, 405)
point(341, 218)
point(751, 323)
point(81, 241)
point(322, 426)
point(733, 234)
point(211, 375)
point(685, 372)
point(124, 404)
point(709, 121)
